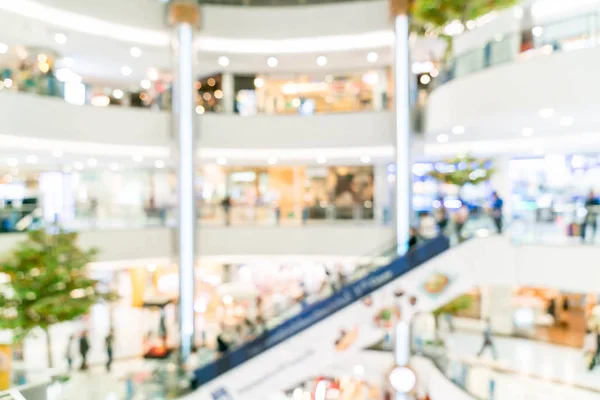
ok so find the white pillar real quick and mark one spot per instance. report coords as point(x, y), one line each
point(227, 86)
point(383, 191)
point(502, 183)
point(403, 206)
point(496, 304)
point(380, 90)
point(184, 15)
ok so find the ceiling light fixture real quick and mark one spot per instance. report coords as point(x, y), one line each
point(272, 160)
point(125, 70)
point(458, 130)
point(60, 38)
point(443, 138)
point(527, 132)
point(566, 121)
point(159, 164)
point(537, 31)
point(117, 94)
point(425, 79)
point(365, 159)
point(272, 62)
point(372, 57)
point(223, 61)
point(321, 160)
point(221, 161)
point(259, 82)
point(135, 52)
point(199, 110)
point(546, 112)
point(145, 84)
point(321, 61)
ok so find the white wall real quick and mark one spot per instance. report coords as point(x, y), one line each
point(245, 22)
point(33, 116)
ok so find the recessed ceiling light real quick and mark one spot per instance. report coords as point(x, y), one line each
point(537, 31)
point(137, 158)
point(223, 61)
point(92, 162)
point(114, 166)
point(57, 153)
point(60, 38)
point(31, 159)
point(135, 52)
point(425, 79)
point(117, 94)
point(321, 61)
point(12, 162)
point(458, 130)
point(443, 138)
point(125, 70)
point(259, 82)
point(527, 132)
point(153, 74)
point(272, 160)
point(272, 62)
point(566, 121)
point(159, 164)
point(145, 84)
point(321, 160)
point(365, 159)
point(3, 48)
point(546, 112)
point(372, 57)
point(78, 165)
point(199, 110)
point(221, 161)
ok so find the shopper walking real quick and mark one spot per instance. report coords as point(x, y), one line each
point(590, 348)
point(487, 340)
point(108, 345)
point(591, 207)
point(497, 205)
point(84, 348)
point(69, 352)
point(226, 204)
point(596, 356)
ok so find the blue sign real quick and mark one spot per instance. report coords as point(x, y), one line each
point(321, 310)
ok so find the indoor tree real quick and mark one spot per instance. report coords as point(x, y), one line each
point(462, 170)
point(437, 13)
point(47, 283)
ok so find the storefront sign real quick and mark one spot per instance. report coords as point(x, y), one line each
point(321, 310)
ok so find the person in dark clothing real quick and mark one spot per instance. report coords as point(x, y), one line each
point(84, 348)
point(591, 207)
point(596, 357)
point(108, 344)
point(497, 205)
point(69, 352)
point(226, 204)
point(487, 340)
point(442, 216)
point(413, 238)
point(222, 345)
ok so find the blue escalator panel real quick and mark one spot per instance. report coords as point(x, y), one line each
point(322, 309)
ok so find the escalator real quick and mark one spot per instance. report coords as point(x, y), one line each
point(374, 276)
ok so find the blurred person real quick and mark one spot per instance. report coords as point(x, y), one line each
point(590, 348)
point(222, 344)
point(460, 219)
point(226, 204)
point(108, 345)
point(497, 205)
point(596, 356)
point(69, 352)
point(487, 339)
point(591, 208)
point(413, 238)
point(84, 348)
point(441, 215)
point(427, 226)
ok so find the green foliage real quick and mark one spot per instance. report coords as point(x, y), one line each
point(460, 303)
point(465, 170)
point(47, 283)
point(437, 13)
point(386, 314)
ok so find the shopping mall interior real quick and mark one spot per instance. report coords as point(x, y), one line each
point(167, 168)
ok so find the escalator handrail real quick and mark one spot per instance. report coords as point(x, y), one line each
point(320, 310)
